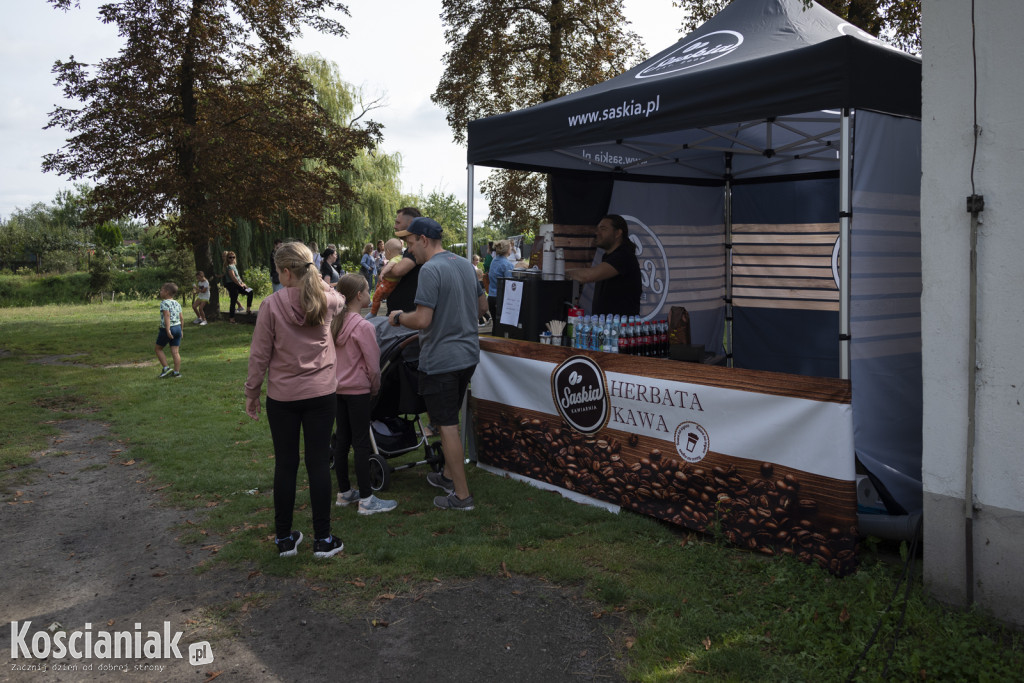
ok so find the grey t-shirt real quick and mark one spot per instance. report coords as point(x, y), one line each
point(448, 284)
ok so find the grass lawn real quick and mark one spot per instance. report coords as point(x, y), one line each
point(699, 609)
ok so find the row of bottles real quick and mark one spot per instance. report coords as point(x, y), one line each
point(620, 334)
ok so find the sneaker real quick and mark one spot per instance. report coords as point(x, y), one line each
point(327, 547)
point(201, 323)
point(176, 375)
point(196, 321)
point(165, 372)
point(453, 502)
point(288, 547)
point(347, 498)
point(442, 482)
point(373, 505)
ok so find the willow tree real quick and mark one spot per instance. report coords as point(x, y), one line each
point(205, 116)
point(505, 56)
point(898, 21)
point(372, 174)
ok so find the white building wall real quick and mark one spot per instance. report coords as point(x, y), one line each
point(948, 146)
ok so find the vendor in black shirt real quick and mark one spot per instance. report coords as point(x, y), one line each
point(617, 280)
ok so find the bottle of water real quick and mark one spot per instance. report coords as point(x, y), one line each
point(582, 330)
point(591, 333)
point(613, 339)
point(602, 337)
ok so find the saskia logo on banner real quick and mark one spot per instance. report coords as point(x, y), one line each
point(578, 387)
point(698, 51)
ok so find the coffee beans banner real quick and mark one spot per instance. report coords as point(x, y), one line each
point(673, 463)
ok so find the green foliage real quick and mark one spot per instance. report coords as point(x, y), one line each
point(258, 277)
point(164, 251)
point(108, 235)
point(99, 273)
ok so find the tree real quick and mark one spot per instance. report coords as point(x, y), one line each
point(203, 117)
point(447, 210)
point(505, 56)
point(898, 21)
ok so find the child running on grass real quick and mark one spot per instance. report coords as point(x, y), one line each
point(170, 330)
point(293, 349)
point(387, 282)
point(358, 372)
point(202, 292)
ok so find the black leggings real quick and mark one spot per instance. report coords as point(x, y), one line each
point(314, 416)
point(354, 432)
point(234, 290)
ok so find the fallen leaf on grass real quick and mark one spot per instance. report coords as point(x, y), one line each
point(160, 488)
point(386, 596)
point(598, 613)
point(504, 571)
point(212, 548)
point(212, 504)
point(390, 532)
point(210, 675)
point(844, 616)
point(159, 573)
point(630, 642)
point(253, 574)
point(110, 622)
point(191, 622)
point(706, 642)
point(128, 462)
point(239, 443)
point(358, 583)
point(379, 623)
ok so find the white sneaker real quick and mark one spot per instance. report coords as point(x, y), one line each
point(373, 505)
point(201, 323)
point(347, 498)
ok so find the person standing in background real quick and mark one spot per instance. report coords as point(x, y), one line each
point(274, 279)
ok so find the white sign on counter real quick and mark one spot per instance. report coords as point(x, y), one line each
point(512, 302)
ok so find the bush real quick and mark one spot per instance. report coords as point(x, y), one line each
point(258, 277)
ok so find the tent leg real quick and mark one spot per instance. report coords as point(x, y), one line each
point(469, 212)
point(727, 202)
point(845, 214)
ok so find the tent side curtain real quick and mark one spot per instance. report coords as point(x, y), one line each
point(785, 293)
point(885, 316)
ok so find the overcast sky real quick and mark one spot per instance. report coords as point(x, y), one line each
point(394, 48)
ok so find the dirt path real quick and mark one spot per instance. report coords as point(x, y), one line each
point(90, 543)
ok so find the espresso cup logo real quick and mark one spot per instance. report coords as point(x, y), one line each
point(699, 51)
point(578, 388)
point(692, 442)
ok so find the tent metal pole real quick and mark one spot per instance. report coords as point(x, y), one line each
point(845, 214)
point(469, 212)
point(727, 200)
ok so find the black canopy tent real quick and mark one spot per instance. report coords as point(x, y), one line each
point(769, 92)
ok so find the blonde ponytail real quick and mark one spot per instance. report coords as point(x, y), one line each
point(349, 287)
point(298, 259)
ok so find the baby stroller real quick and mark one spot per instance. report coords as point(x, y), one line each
point(395, 425)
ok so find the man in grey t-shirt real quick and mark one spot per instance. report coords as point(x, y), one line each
point(449, 300)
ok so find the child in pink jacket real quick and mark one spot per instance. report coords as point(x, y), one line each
point(292, 348)
point(358, 374)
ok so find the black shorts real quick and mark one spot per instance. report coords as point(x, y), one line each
point(443, 394)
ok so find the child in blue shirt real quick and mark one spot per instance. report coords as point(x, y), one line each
point(170, 330)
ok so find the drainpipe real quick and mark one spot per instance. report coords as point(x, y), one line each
point(975, 205)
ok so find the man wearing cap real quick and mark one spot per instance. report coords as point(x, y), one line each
point(407, 270)
point(448, 302)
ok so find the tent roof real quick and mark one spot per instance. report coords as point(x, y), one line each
point(763, 78)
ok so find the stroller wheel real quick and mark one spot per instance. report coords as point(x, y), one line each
point(380, 472)
point(435, 456)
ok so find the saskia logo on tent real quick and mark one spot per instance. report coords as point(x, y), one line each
point(578, 387)
point(694, 53)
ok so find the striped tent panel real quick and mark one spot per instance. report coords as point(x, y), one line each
point(787, 266)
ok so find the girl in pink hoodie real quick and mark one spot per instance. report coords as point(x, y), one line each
point(358, 374)
point(292, 347)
